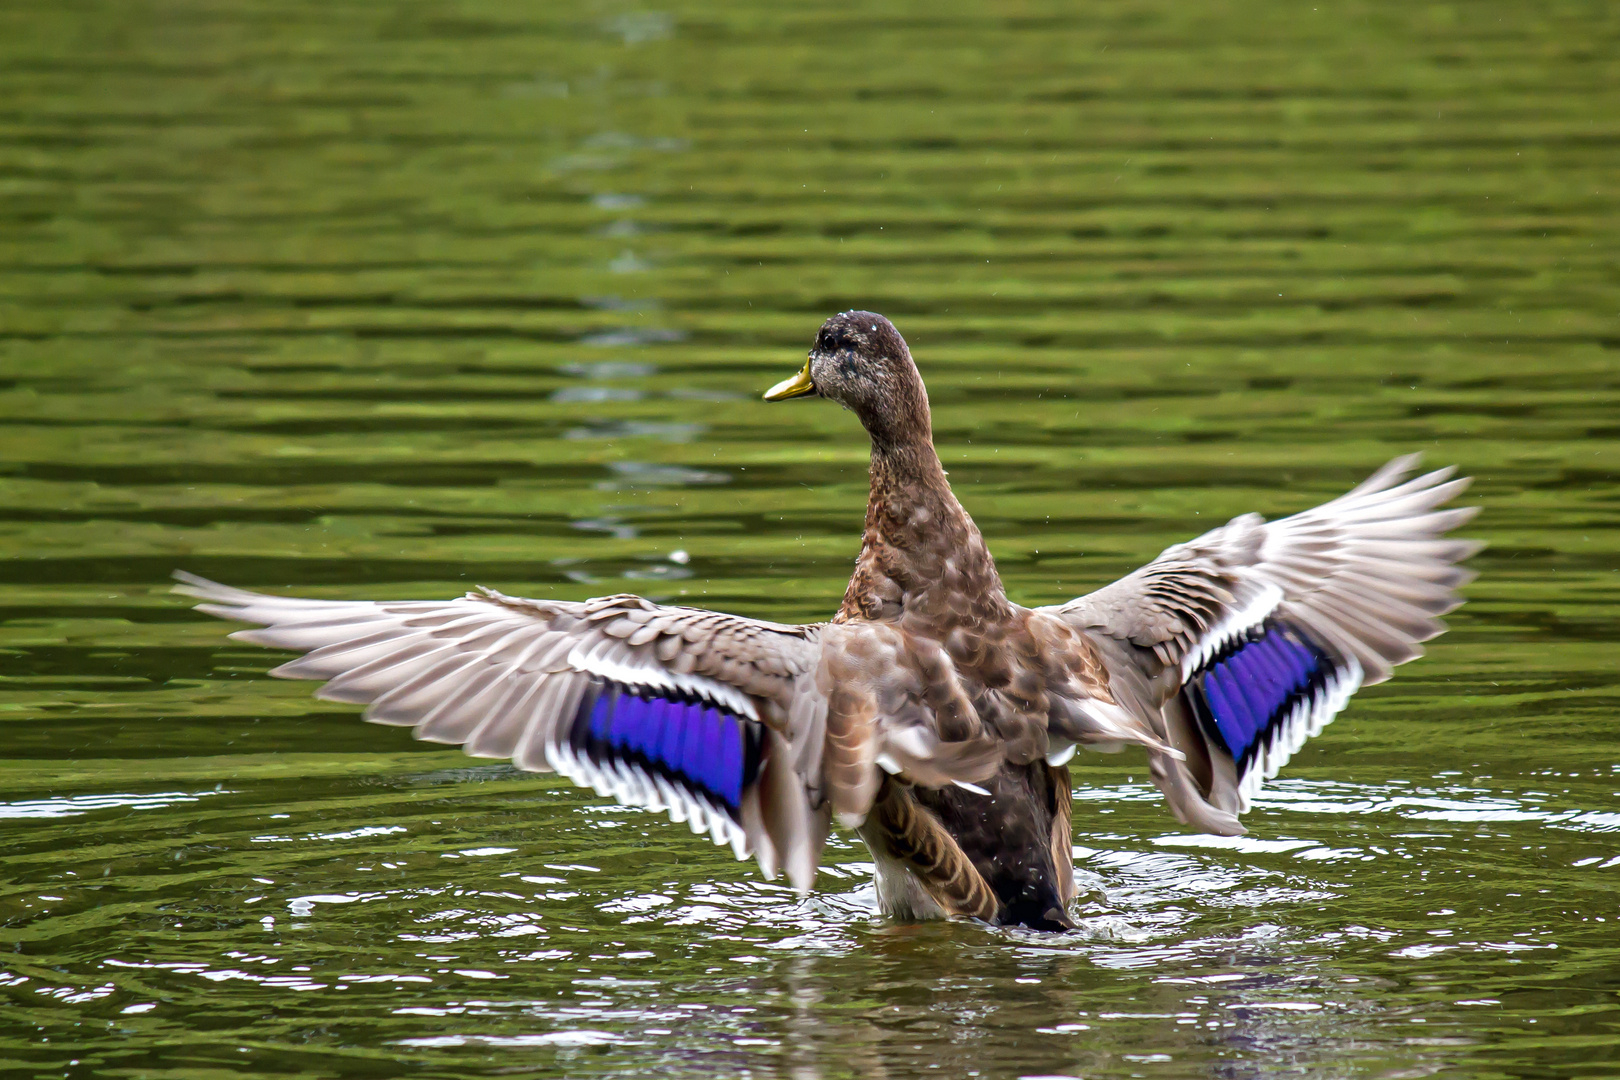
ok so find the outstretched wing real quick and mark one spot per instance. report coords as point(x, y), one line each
point(1243, 643)
point(712, 717)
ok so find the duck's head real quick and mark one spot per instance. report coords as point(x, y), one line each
point(860, 361)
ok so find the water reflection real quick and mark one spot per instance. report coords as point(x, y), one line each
point(640, 474)
point(628, 262)
point(698, 975)
point(637, 429)
point(630, 336)
point(578, 395)
point(609, 369)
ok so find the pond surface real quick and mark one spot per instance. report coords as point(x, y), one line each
point(388, 300)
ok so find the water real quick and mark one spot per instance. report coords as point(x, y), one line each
point(388, 300)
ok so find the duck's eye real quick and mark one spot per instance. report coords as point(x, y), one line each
point(834, 340)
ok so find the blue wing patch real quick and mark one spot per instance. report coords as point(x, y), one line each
point(706, 751)
point(1246, 692)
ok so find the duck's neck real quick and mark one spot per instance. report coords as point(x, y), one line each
point(922, 558)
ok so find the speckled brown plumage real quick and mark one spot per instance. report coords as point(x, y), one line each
point(931, 713)
point(925, 858)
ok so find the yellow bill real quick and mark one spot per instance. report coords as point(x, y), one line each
point(798, 386)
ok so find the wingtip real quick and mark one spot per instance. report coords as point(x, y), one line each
point(1391, 473)
point(193, 585)
point(801, 874)
point(200, 588)
point(1402, 464)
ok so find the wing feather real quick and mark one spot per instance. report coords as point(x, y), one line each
point(701, 714)
point(1274, 625)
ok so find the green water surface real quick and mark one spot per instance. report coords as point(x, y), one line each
point(384, 300)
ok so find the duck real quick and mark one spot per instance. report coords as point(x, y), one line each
point(931, 714)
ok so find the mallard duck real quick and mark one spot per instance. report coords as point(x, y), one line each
point(931, 714)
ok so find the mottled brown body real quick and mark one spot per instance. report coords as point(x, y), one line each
point(1017, 841)
point(984, 668)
